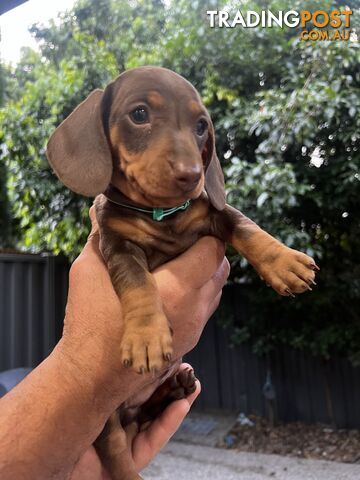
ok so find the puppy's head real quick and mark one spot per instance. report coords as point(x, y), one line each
point(148, 133)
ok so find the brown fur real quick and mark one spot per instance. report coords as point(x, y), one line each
point(161, 162)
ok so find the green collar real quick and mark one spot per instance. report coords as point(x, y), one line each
point(157, 214)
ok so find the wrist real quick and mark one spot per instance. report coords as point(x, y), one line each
point(95, 372)
point(75, 412)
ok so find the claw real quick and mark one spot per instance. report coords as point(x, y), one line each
point(312, 281)
point(287, 290)
point(167, 357)
point(126, 363)
point(314, 267)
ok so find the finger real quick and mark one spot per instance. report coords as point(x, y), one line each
point(210, 294)
point(212, 288)
point(164, 427)
point(197, 265)
point(94, 237)
point(203, 317)
point(91, 248)
point(90, 262)
point(88, 467)
point(212, 307)
point(148, 443)
point(94, 224)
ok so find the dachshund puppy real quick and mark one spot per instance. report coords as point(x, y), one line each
point(145, 147)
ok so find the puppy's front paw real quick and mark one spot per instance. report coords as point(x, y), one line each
point(147, 343)
point(288, 271)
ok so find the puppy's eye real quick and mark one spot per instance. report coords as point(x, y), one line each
point(139, 115)
point(201, 127)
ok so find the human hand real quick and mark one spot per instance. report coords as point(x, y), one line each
point(143, 445)
point(189, 285)
point(82, 382)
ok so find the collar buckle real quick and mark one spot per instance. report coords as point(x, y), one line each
point(158, 214)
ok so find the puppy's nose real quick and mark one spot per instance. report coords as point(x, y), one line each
point(187, 177)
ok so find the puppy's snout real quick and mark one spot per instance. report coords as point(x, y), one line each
point(187, 177)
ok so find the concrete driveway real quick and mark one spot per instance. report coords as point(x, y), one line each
point(181, 461)
point(193, 455)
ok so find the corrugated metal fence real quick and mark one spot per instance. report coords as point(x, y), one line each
point(306, 388)
point(33, 291)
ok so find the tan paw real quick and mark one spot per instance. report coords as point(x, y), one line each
point(147, 345)
point(289, 271)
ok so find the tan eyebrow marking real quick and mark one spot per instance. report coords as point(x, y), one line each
point(155, 99)
point(195, 107)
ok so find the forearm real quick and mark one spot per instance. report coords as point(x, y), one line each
point(52, 417)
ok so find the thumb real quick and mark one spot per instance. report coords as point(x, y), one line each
point(94, 224)
point(92, 245)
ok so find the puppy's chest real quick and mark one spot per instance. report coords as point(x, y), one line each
point(165, 239)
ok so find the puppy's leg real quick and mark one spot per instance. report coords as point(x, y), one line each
point(115, 452)
point(286, 270)
point(146, 342)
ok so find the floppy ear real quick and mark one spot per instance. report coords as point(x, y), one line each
point(214, 177)
point(78, 150)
